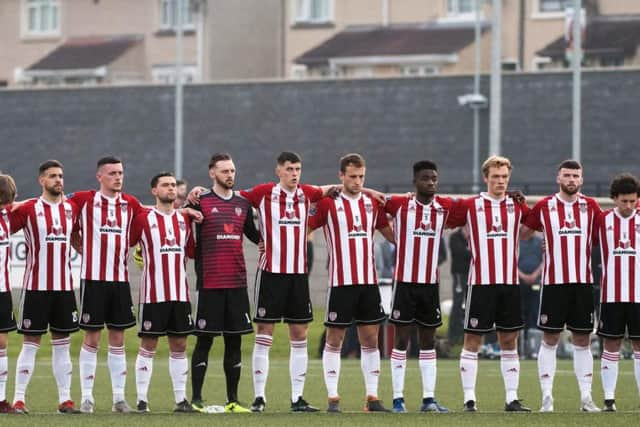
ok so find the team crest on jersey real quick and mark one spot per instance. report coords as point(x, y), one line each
point(86, 317)
point(301, 198)
point(510, 208)
point(202, 323)
point(368, 208)
point(26, 323)
point(473, 322)
point(238, 211)
point(146, 325)
point(182, 225)
point(583, 207)
point(333, 316)
point(68, 213)
point(261, 311)
point(123, 207)
point(396, 314)
point(544, 319)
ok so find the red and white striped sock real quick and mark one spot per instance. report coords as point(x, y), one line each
point(331, 369)
point(261, 364)
point(24, 369)
point(583, 368)
point(510, 367)
point(547, 362)
point(428, 369)
point(609, 373)
point(4, 373)
point(468, 373)
point(88, 360)
point(144, 369)
point(298, 360)
point(62, 367)
point(117, 361)
point(398, 363)
point(370, 364)
point(179, 372)
point(636, 367)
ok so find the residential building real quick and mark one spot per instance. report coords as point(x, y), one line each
point(362, 38)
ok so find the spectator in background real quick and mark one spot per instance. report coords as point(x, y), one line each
point(460, 258)
point(530, 264)
point(182, 193)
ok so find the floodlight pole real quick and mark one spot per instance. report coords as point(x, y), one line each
point(576, 64)
point(178, 146)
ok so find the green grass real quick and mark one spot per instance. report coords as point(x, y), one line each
point(42, 393)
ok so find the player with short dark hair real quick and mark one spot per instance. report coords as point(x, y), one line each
point(222, 304)
point(7, 321)
point(567, 220)
point(493, 300)
point(105, 295)
point(166, 240)
point(349, 222)
point(47, 301)
point(282, 283)
point(419, 221)
point(618, 230)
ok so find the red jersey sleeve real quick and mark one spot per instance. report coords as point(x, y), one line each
point(457, 213)
point(136, 206)
point(394, 203)
point(136, 228)
point(312, 192)
point(80, 198)
point(532, 219)
point(19, 216)
point(256, 194)
point(190, 246)
point(597, 228)
point(319, 219)
point(525, 211)
point(381, 216)
point(595, 206)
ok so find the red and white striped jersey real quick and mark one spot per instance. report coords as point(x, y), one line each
point(5, 250)
point(166, 241)
point(568, 235)
point(348, 226)
point(493, 227)
point(105, 224)
point(418, 229)
point(283, 225)
point(47, 233)
point(620, 249)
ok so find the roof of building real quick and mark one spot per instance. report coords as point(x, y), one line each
point(408, 39)
point(86, 52)
point(612, 35)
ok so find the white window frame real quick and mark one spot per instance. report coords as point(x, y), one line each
point(415, 70)
point(452, 8)
point(298, 71)
point(302, 12)
point(54, 24)
point(539, 61)
point(538, 13)
point(167, 20)
point(166, 73)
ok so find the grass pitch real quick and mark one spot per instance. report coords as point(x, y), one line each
point(42, 393)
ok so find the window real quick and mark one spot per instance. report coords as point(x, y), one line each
point(419, 70)
point(510, 65)
point(169, 14)
point(614, 61)
point(42, 17)
point(314, 11)
point(546, 6)
point(460, 7)
point(166, 74)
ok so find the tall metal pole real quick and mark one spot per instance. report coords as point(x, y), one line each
point(476, 112)
point(577, 79)
point(179, 95)
point(496, 79)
